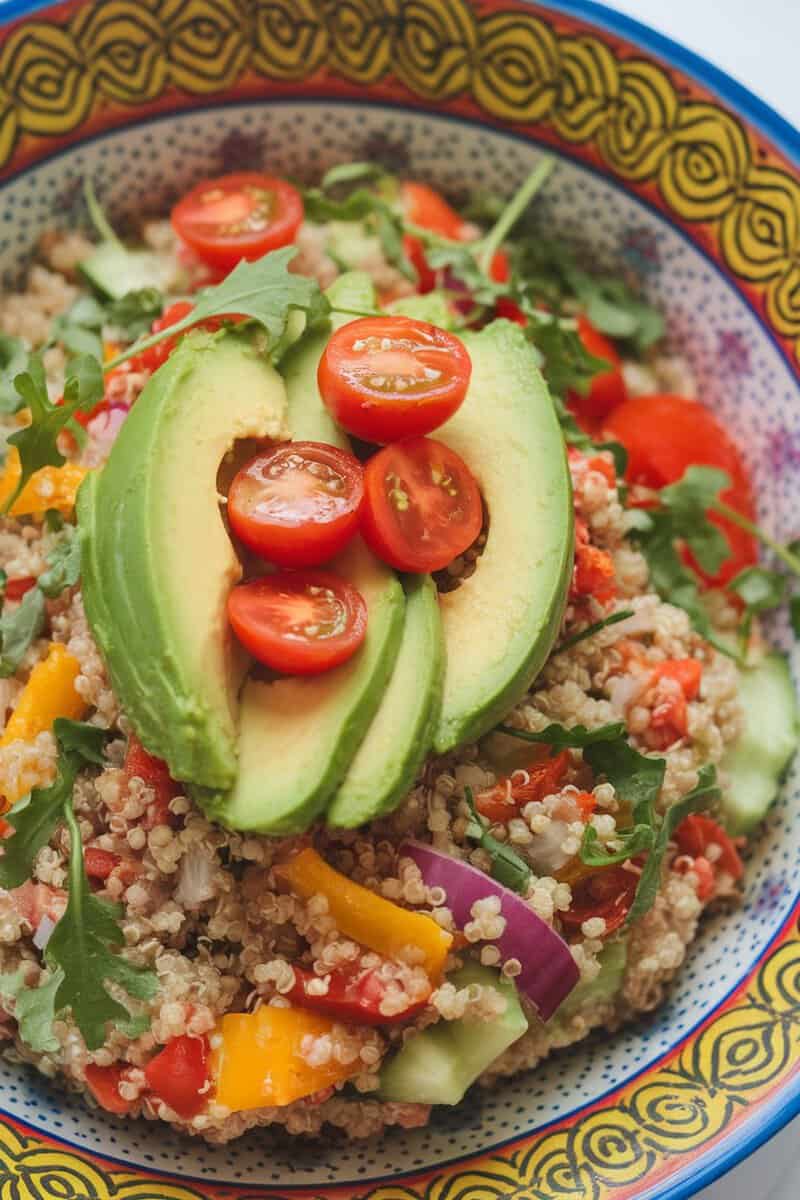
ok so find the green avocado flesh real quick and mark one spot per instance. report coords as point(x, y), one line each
point(755, 763)
point(399, 738)
point(437, 1065)
point(500, 624)
point(158, 561)
point(297, 737)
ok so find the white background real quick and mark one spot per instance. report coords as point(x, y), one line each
point(758, 42)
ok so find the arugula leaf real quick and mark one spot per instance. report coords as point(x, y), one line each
point(34, 1008)
point(637, 778)
point(507, 866)
point(34, 820)
point(78, 329)
point(18, 629)
point(36, 816)
point(86, 742)
point(37, 442)
point(637, 840)
point(135, 312)
point(561, 738)
point(263, 290)
point(698, 800)
point(13, 359)
point(590, 630)
point(794, 615)
point(80, 947)
point(353, 172)
point(63, 564)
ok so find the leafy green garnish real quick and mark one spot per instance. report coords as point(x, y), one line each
point(78, 329)
point(698, 800)
point(559, 737)
point(37, 443)
point(637, 778)
point(18, 629)
point(36, 817)
point(13, 359)
point(507, 867)
point(134, 312)
point(34, 1008)
point(80, 947)
point(590, 630)
point(761, 590)
point(263, 290)
point(794, 615)
point(63, 564)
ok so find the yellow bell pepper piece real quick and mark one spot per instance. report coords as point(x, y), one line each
point(379, 924)
point(49, 693)
point(256, 1058)
point(50, 487)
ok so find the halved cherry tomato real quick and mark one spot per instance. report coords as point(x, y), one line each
point(99, 863)
point(608, 894)
point(664, 435)
point(511, 793)
point(139, 764)
point(422, 505)
point(179, 1075)
point(606, 390)
point(103, 1083)
point(352, 998)
point(386, 378)
point(237, 216)
point(17, 588)
point(698, 833)
point(299, 622)
point(297, 504)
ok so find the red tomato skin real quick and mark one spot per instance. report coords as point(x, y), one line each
point(415, 253)
point(301, 542)
point(378, 523)
point(103, 1083)
point(19, 587)
point(387, 416)
point(226, 250)
point(664, 435)
point(688, 672)
point(607, 893)
point(155, 356)
point(698, 832)
point(606, 390)
point(352, 999)
point(155, 773)
point(293, 656)
point(423, 205)
point(500, 804)
point(99, 863)
point(178, 1075)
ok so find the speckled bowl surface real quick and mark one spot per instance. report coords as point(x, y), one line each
point(665, 166)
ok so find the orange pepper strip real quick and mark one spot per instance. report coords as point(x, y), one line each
point(256, 1058)
point(366, 918)
point(50, 487)
point(49, 693)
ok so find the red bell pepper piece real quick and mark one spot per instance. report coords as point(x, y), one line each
point(103, 1083)
point(354, 998)
point(155, 773)
point(179, 1075)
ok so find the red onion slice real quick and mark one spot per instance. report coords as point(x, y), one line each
point(549, 972)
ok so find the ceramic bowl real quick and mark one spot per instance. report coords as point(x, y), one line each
point(666, 167)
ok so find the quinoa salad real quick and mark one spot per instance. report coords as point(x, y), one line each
point(380, 655)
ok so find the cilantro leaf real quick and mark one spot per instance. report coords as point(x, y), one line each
point(18, 629)
point(637, 778)
point(507, 866)
point(688, 502)
point(34, 1008)
point(13, 359)
point(794, 615)
point(37, 442)
point(567, 364)
point(759, 588)
point(698, 799)
point(63, 564)
point(264, 290)
point(561, 738)
point(80, 947)
point(353, 172)
point(583, 634)
point(135, 312)
point(34, 820)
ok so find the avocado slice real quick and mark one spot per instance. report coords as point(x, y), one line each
point(297, 737)
point(437, 1065)
point(158, 562)
point(500, 624)
point(388, 759)
point(757, 760)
